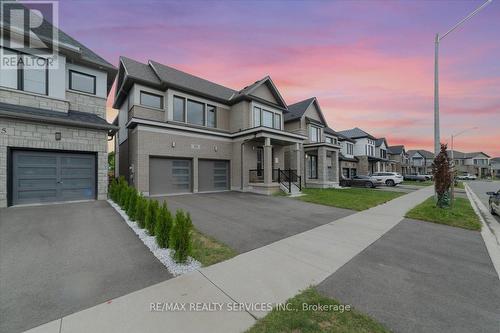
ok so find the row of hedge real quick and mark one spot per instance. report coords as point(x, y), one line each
point(170, 232)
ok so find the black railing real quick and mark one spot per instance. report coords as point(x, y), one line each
point(288, 177)
point(257, 175)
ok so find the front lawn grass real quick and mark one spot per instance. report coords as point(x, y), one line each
point(460, 215)
point(208, 250)
point(350, 198)
point(417, 183)
point(305, 321)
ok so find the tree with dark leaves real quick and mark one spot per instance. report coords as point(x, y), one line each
point(442, 177)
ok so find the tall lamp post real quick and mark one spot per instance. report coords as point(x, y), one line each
point(438, 39)
point(453, 136)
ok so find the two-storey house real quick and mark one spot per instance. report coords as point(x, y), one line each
point(347, 161)
point(475, 163)
point(397, 154)
point(420, 161)
point(320, 153)
point(181, 134)
point(53, 132)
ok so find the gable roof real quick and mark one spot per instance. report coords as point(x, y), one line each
point(461, 155)
point(162, 77)
point(356, 133)
point(379, 142)
point(495, 160)
point(341, 137)
point(396, 150)
point(425, 153)
point(297, 110)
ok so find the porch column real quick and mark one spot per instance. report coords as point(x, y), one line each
point(322, 166)
point(268, 161)
point(335, 166)
point(297, 155)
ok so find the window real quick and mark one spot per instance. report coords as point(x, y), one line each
point(328, 139)
point(277, 121)
point(35, 80)
point(211, 116)
point(195, 113)
point(179, 105)
point(256, 117)
point(383, 153)
point(313, 166)
point(151, 100)
point(31, 76)
point(314, 134)
point(82, 82)
point(350, 148)
point(267, 118)
point(369, 150)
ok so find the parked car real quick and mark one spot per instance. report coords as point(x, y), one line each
point(415, 177)
point(467, 176)
point(362, 181)
point(389, 178)
point(494, 202)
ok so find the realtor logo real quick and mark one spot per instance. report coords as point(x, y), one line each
point(29, 34)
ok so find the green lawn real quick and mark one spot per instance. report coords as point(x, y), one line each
point(414, 182)
point(297, 320)
point(350, 198)
point(209, 251)
point(460, 215)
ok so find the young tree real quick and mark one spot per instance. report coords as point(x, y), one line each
point(163, 226)
point(151, 217)
point(180, 239)
point(132, 204)
point(442, 177)
point(140, 211)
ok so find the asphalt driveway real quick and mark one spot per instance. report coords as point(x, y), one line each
point(422, 277)
point(59, 259)
point(247, 221)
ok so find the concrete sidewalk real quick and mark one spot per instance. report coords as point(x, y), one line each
point(270, 274)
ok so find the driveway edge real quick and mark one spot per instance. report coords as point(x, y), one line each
point(490, 230)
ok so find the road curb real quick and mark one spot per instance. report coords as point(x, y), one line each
point(489, 231)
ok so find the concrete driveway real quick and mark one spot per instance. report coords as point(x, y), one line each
point(246, 221)
point(422, 277)
point(59, 259)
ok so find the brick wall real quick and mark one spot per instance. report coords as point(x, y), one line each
point(87, 103)
point(32, 100)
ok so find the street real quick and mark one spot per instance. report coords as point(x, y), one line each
point(480, 188)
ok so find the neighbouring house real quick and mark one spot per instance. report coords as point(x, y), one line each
point(420, 161)
point(348, 162)
point(370, 157)
point(397, 154)
point(475, 163)
point(53, 132)
point(495, 167)
point(320, 151)
point(180, 133)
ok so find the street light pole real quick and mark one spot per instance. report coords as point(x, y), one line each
point(438, 39)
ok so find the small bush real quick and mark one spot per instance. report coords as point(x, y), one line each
point(132, 203)
point(140, 211)
point(151, 217)
point(163, 226)
point(180, 238)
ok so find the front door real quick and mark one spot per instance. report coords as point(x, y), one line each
point(260, 162)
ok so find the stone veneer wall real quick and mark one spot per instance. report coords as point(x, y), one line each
point(21, 134)
point(32, 100)
point(87, 103)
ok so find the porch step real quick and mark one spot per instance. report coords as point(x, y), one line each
point(295, 190)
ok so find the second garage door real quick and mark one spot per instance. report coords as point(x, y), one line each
point(213, 175)
point(169, 175)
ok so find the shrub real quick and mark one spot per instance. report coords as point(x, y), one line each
point(132, 204)
point(123, 193)
point(140, 211)
point(151, 216)
point(180, 238)
point(163, 226)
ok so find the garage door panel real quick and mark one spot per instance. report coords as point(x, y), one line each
point(213, 175)
point(50, 176)
point(169, 175)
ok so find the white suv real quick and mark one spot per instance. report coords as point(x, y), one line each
point(389, 178)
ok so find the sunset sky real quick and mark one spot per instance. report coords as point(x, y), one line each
point(370, 63)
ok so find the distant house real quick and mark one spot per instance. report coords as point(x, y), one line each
point(475, 163)
point(420, 161)
point(398, 155)
point(495, 167)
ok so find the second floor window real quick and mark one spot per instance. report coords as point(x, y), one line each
point(369, 150)
point(211, 119)
point(267, 118)
point(32, 74)
point(383, 153)
point(328, 139)
point(350, 148)
point(179, 106)
point(195, 113)
point(262, 117)
point(151, 100)
point(314, 134)
point(277, 121)
point(82, 82)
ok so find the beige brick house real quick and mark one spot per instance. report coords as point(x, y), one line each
point(182, 134)
point(53, 132)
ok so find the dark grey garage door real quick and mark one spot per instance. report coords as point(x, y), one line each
point(213, 175)
point(48, 177)
point(169, 175)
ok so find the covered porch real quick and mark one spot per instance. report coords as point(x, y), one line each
point(321, 165)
